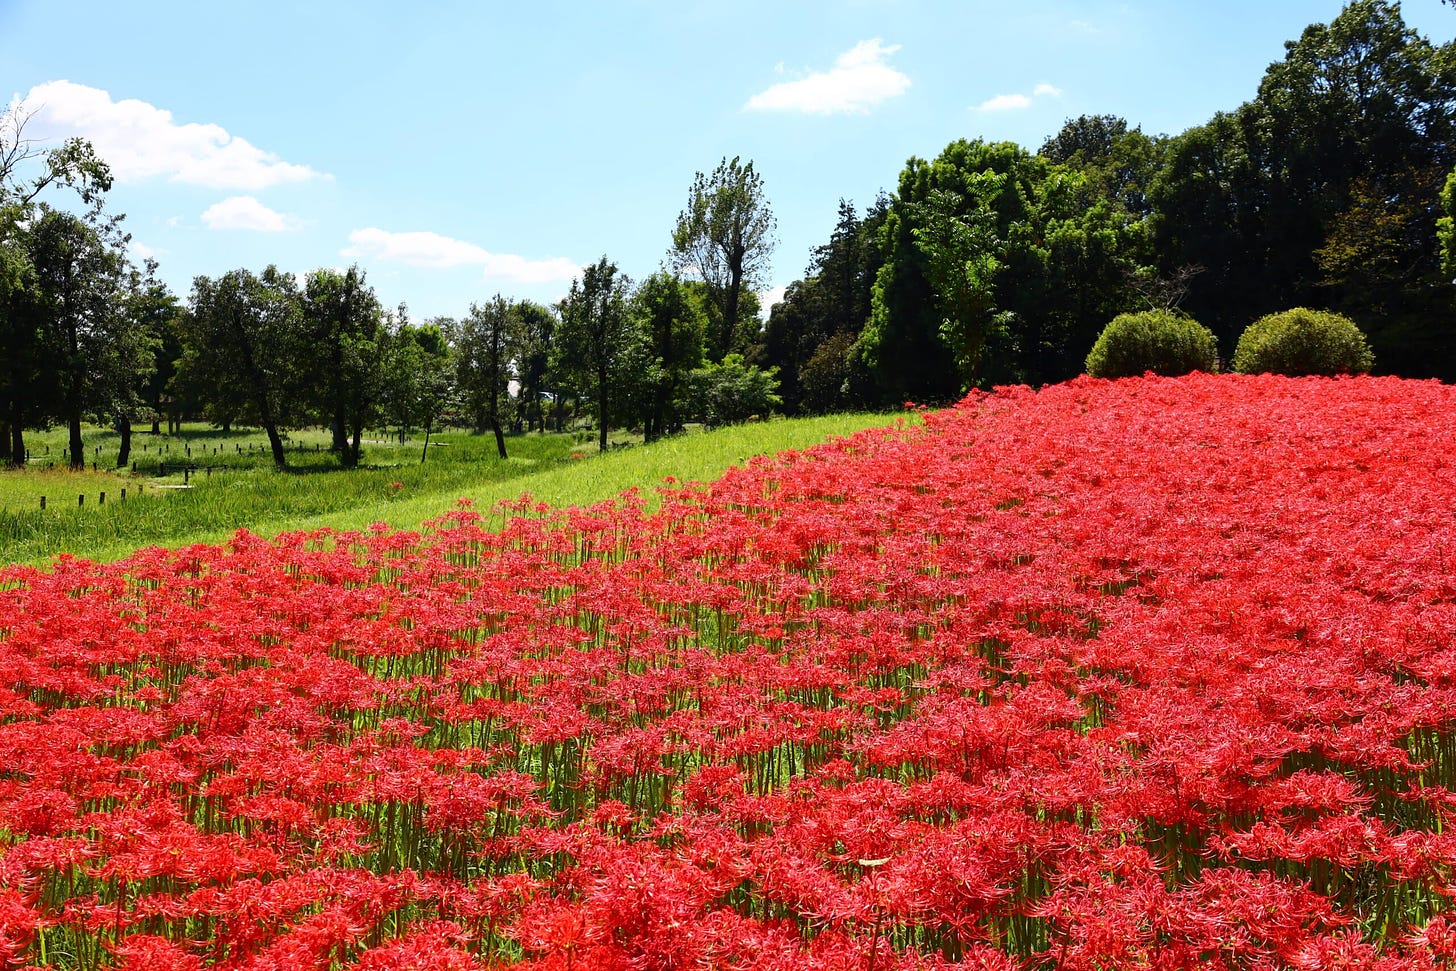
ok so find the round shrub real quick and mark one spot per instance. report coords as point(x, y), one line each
point(1302, 341)
point(1160, 341)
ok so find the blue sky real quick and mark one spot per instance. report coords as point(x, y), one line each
point(457, 150)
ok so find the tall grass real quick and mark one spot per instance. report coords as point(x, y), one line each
point(243, 490)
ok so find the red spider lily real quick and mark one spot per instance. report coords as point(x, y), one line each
point(1153, 673)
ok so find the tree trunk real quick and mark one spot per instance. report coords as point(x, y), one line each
point(730, 307)
point(275, 442)
point(340, 434)
point(602, 410)
point(78, 448)
point(157, 424)
point(17, 437)
point(500, 438)
point(347, 449)
point(123, 427)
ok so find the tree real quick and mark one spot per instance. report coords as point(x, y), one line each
point(163, 317)
point(1446, 226)
point(27, 171)
point(245, 340)
point(343, 322)
point(86, 341)
point(999, 266)
point(594, 335)
point(962, 261)
point(481, 343)
point(1119, 162)
point(531, 339)
point(827, 308)
point(673, 330)
point(725, 236)
point(731, 391)
point(148, 316)
point(1319, 191)
point(418, 375)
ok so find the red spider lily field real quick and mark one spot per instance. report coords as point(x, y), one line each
point(1151, 673)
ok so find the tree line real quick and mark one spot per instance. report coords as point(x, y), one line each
point(1334, 188)
point(87, 336)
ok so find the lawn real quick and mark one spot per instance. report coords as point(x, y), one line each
point(232, 483)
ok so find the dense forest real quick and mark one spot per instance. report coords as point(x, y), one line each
point(990, 264)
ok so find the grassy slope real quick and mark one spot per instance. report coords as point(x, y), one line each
point(687, 458)
point(267, 503)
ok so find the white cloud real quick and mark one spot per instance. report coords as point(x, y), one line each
point(1005, 102)
point(1018, 102)
point(518, 268)
point(441, 252)
point(142, 251)
point(415, 249)
point(141, 141)
point(859, 80)
point(245, 212)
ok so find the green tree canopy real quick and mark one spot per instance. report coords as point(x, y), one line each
point(595, 336)
point(672, 336)
point(998, 266)
point(725, 237)
point(482, 345)
point(246, 341)
point(344, 330)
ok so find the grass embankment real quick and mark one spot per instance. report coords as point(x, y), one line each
point(391, 486)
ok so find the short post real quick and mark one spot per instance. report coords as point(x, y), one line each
point(133, 466)
point(101, 499)
point(81, 500)
point(123, 493)
point(186, 473)
point(42, 503)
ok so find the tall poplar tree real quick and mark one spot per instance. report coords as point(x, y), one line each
point(725, 237)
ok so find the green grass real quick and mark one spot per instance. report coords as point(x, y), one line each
point(244, 490)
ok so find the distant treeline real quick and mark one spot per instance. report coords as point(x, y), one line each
point(995, 265)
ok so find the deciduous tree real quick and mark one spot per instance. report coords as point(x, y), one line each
point(725, 237)
point(672, 333)
point(26, 171)
point(481, 343)
point(246, 340)
point(344, 326)
point(594, 336)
